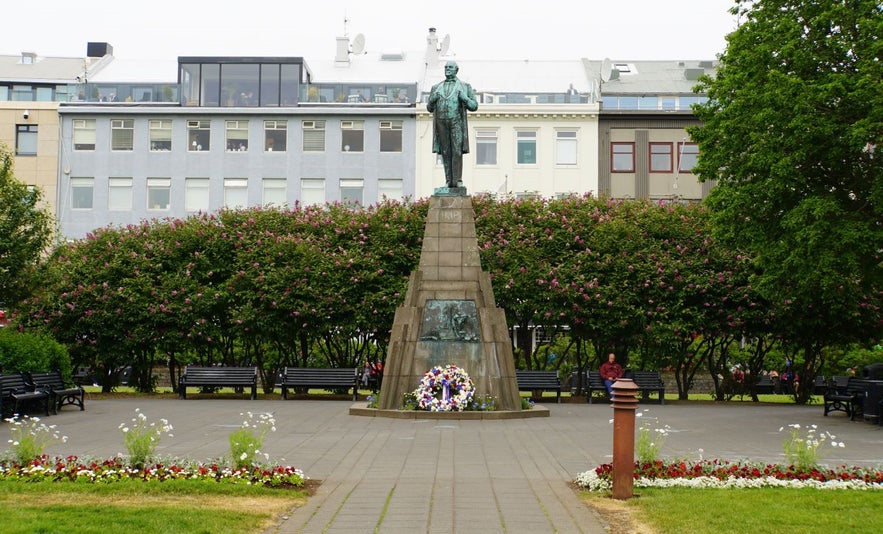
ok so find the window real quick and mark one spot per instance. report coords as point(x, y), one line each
point(275, 136)
point(26, 140)
point(390, 188)
point(351, 191)
point(565, 148)
point(314, 136)
point(648, 102)
point(622, 156)
point(526, 147)
point(160, 135)
point(688, 154)
point(235, 193)
point(274, 192)
point(390, 136)
point(485, 147)
point(158, 193)
point(312, 191)
point(84, 134)
point(237, 136)
point(661, 157)
point(119, 194)
point(352, 136)
point(23, 93)
point(196, 194)
point(81, 193)
point(122, 134)
point(199, 135)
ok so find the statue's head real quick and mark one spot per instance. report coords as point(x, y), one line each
point(451, 69)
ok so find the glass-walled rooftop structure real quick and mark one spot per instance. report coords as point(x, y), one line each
point(241, 81)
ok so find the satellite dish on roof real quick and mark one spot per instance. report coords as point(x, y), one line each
point(358, 44)
point(446, 44)
point(606, 67)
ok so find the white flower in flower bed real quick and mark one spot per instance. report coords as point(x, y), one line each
point(444, 389)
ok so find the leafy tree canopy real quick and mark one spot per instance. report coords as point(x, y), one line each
point(25, 231)
point(790, 130)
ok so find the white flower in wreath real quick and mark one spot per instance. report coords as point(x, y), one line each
point(444, 389)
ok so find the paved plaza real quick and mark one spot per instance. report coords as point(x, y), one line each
point(452, 476)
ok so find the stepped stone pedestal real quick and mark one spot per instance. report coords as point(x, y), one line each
point(449, 315)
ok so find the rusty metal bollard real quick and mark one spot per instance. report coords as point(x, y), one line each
point(625, 403)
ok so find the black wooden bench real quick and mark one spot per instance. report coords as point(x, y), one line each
point(649, 382)
point(539, 381)
point(60, 393)
point(312, 377)
point(765, 385)
point(16, 392)
point(231, 377)
point(594, 385)
point(850, 399)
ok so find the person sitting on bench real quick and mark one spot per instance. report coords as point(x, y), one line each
point(610, 372)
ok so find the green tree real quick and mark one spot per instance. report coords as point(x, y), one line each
point(789, 132)
point(25, 232)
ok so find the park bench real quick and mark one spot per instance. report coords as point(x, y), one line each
point(60, 393)
point(765, 385)
point(849, 399)
point(649, 382)
point(218, 377)
point(310, 377)
point(16, 393)
point(594, 384)
point(539, 381)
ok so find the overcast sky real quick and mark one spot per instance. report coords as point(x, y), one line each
point(478, 29)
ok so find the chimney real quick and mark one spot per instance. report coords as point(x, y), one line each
point(98, 50)
point(432, 48)
point(343, 51)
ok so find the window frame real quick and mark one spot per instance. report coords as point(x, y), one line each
point(197, 188)
point(275, 133)
point(525, 137)
point(694, 156)
point(572, 138)
point(392, 188)
point(26, 135)
point(391, 135)
point(485, 138)
point(273, 184)
point(196, 131)
point(309, 127)
point(352, 184)
point(235, 185)
point(82, 183)
point(157, 129)
point(158, 185)
point(83, 130)
point(652, 160)
point(312, 185)
point(122, 135)
point(117, 187)
point(237, 128)
point(352, 126)
point(630, 152)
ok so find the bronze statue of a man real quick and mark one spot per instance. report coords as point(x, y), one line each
point(448, 102)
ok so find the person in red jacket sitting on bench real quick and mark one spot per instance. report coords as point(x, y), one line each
point(610, 372)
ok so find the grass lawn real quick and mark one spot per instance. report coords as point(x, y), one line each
point(143, 507)
point(736, 511)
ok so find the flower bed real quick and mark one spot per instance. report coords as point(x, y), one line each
point(726, 474)
point(72, 468)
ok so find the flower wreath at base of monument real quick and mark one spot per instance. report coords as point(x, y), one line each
point(444, 389)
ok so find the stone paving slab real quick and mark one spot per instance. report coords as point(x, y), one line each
point(453, 476)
